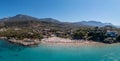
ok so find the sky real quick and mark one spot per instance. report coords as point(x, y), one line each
point(64, 10)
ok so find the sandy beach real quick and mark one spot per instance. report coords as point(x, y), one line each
point(66, 41)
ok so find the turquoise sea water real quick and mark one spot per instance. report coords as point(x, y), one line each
point(12, 52)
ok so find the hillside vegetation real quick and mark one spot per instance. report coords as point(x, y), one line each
point(23, 26)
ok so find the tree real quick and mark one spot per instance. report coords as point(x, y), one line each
point(110, 40)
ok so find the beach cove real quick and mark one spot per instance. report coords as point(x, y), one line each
point(59, 52)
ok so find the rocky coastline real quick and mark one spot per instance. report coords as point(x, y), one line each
point(24, 42)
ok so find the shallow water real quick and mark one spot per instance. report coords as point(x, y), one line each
point(12, 52)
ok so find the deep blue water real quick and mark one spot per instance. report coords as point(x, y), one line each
point(12, 52)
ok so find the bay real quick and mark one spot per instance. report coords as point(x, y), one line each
point(48, 52)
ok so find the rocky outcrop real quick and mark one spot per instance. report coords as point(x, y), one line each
point(25, 42)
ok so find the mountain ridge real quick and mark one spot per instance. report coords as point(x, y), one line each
point(21, 17)
point(94, 23)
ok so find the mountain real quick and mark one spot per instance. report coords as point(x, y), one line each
point(21, 20)
point(93, 23)
point(117, 26)
point(50, 20)
point(19, 17)
point(25, 21)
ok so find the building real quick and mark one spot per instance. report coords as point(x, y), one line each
point(113, 34)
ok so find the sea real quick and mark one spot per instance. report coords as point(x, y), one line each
point(54, 52)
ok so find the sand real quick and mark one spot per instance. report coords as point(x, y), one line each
point(66, 41)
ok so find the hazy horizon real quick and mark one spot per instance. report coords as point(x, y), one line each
point(106, 11)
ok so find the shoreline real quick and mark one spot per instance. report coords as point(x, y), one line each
point(53, 41)
point(25, 42)
point(63, 41)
